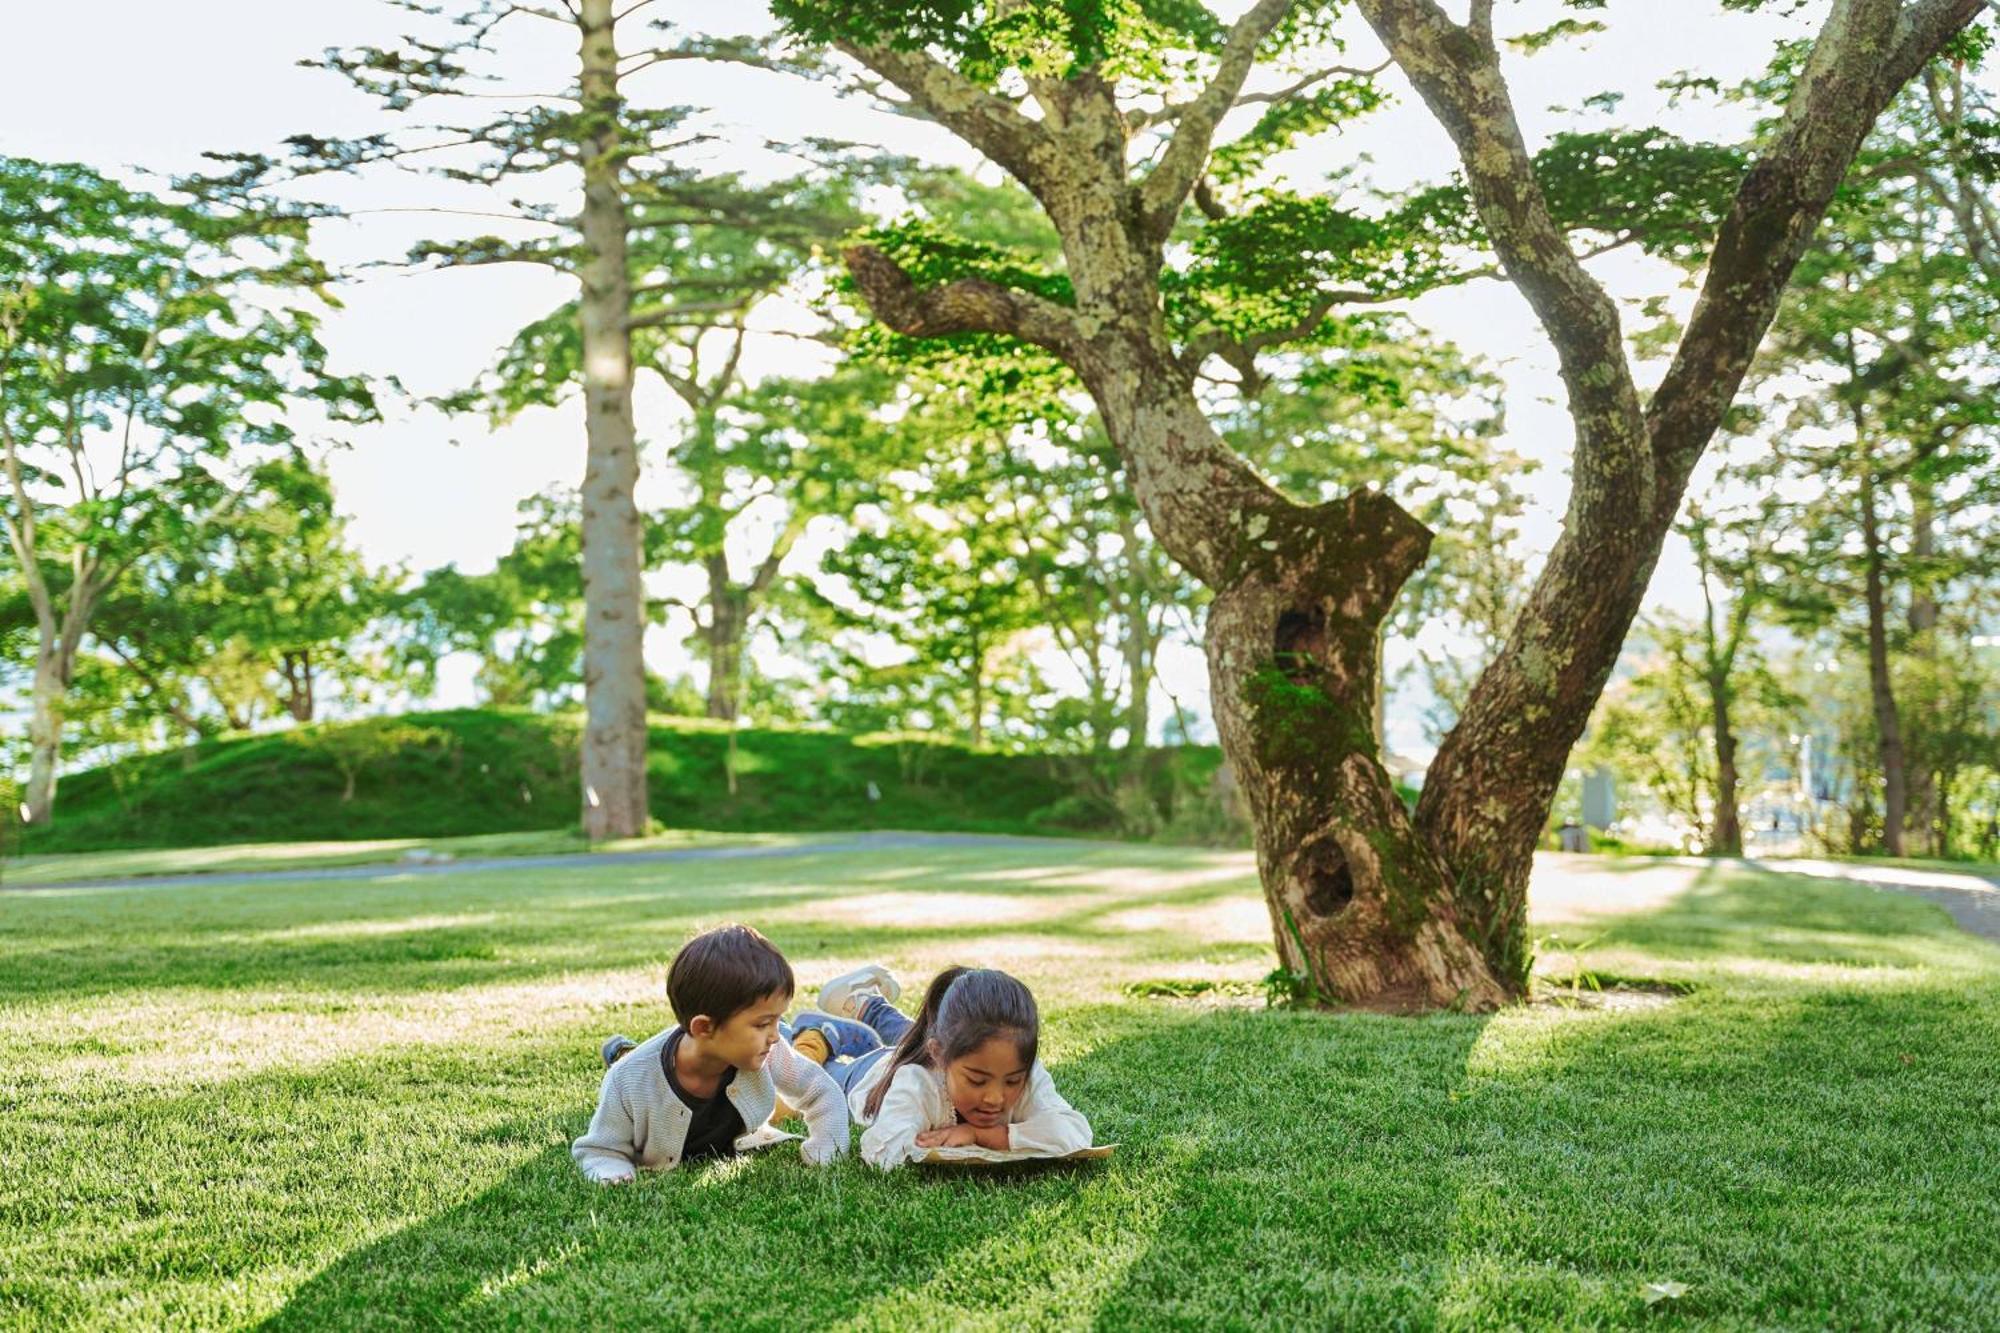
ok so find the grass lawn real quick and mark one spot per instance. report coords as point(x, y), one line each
point(349, 1103)
point(38, 871)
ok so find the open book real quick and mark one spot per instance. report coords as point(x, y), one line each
point(976, 1156)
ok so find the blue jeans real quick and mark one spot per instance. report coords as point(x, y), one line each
point(856, 1047)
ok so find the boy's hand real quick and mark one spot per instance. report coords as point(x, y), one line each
point(958, 1136)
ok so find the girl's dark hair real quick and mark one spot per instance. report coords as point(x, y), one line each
point(964, 1008)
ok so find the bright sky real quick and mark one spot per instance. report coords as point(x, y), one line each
point(137, 83)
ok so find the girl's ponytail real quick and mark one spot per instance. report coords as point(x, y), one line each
point(963, 1008)
point(911, 1048)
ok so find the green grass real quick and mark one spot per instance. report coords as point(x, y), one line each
point(334, 1105)
point(468, 772)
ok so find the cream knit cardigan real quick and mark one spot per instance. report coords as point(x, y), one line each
point(641, 1123)
point(1042, 1123)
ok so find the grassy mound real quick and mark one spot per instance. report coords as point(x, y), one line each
point(477, 771)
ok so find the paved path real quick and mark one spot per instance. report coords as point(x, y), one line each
point(1972, 900)
point(1572, 888)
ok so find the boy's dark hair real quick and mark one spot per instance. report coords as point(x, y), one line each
point(963, 1009)
point(724, 971)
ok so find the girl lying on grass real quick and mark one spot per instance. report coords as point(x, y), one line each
point(963, 1073)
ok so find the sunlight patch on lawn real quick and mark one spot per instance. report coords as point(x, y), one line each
point(1207, 868)
point(343, 930)
point(916, 911)
point(1233, 920)
point(1012, 875)
point(1560, 893)
point(200, 1036)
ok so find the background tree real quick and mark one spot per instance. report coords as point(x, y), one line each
point(151, 348)
point(952, 594)
point(523, 621)
point(1733, 570)
point(1877, 389)
point(731, 251)
point(269, 607)
point(613, 170)
point(1699, 727)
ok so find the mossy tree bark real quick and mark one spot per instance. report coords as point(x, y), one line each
point(1375, 906)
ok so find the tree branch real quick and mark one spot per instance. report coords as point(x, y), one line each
point(1316, 77)
point(1167, 187)
point(966, 305)
point(1457, 72)
point(1139, 120)
point(678, 314)
point(1922, 29)
point(1531, 703)
point(536, 11)
point(989, 122)
point(788, 536)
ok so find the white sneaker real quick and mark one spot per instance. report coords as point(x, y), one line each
point(845, 996)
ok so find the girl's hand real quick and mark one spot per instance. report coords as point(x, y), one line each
point(995, 1138)
point(958, 1136)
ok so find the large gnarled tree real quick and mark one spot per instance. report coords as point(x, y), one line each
point(1081, 105)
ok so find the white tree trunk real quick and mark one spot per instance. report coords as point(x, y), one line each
point(614, 671)
point(45, 735)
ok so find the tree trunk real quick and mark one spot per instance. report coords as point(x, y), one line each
point(1362, 908)
point(978, 692)
point(1926, 831)
point(55, 669)
point(1727, 838)
point(1139, 680)
point(299, 685)
point(1943, 847)
point(614, 670)
point(728, 612)
point(1888, 727)
point(45, 733)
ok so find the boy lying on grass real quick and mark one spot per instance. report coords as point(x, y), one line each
point(707, 1086)
point(963, 1073)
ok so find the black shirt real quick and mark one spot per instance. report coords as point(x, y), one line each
point(716, 1124)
